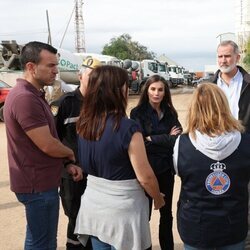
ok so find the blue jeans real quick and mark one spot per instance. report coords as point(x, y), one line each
point(237, 246)
point(42, 212)
point(99, 245)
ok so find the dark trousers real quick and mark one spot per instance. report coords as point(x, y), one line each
point(166, 184)
point(71, 192)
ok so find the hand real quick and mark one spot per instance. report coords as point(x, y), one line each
point(75, 171)
point(160, 202)
point(175, 130)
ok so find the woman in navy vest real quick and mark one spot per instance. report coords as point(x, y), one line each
point(160, 127)
point(213, 161)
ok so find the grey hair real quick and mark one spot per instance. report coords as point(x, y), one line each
point(82, 70)
point(232, 43)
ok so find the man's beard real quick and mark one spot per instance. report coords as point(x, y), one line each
point(227, 69)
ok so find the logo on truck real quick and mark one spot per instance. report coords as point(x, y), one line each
point(67, 64)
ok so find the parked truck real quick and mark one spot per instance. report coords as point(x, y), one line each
point(104, 59)
point(147, 68)
point(176, 74)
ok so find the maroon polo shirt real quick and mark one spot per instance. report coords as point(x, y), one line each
point(30, 169)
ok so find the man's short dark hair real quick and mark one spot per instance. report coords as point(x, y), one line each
point(31, 52)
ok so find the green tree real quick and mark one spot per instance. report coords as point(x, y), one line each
point(123, 48)
point(246, 59)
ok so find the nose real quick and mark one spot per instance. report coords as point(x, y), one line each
point(156, 92)
point(223, 58)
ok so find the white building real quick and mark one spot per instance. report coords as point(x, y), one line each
point(242, 23)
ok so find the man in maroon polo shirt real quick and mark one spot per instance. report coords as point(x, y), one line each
point(35, 154)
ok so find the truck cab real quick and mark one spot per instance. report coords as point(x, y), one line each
point(176, 74)
point(153, 67)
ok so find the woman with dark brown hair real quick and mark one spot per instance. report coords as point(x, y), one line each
point(112, 153)
point(160, 127)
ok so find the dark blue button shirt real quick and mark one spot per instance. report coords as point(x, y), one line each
point(108, 157)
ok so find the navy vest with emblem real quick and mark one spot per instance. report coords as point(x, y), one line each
point(213, 204)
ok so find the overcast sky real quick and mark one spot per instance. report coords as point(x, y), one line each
point(184, 30)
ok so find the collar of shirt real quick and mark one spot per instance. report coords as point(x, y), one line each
point(236, 80)
point(155, 119)
point(78, 94)
point(30, 87)
point(232, 91)
point(153, 111)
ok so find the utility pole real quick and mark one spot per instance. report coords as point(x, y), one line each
point(242, 9)
point(79, 27)
point(49, 32)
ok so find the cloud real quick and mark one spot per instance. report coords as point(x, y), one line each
point(173, 27)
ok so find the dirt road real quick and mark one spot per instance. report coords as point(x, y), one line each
point(12, 226)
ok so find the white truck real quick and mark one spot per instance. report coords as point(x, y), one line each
point(68, 66)
point(70, 63)
point(104, 59)
point(176, 74)
point(147, 68)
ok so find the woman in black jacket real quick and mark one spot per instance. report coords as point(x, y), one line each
point(160, 127)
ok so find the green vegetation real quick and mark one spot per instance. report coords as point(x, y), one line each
point(246, 59)
point(124, 48)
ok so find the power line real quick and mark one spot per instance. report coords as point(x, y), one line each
point(67, 26)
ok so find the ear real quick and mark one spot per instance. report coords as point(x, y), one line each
point(238, 58)
point(30, 66)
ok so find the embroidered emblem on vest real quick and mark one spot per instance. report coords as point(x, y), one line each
point(217, 182)
point(54, 109)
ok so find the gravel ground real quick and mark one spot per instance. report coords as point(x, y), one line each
point(12, 228)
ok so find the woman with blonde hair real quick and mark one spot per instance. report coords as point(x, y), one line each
point(114, 209)
point(212, 158)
